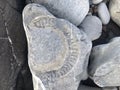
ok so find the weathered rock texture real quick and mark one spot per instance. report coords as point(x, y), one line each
point(92, 26)
point(72, 10)
point(13, 44)
point(105, 64)
point(57, 50)
point(114, 8)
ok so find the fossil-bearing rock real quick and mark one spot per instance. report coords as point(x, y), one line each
point(57, 50)
point(104, 66)
point(13, 44)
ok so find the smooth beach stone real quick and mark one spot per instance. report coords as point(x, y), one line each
point(58, 51)
point(96, 1)
point(92, 26)
point(114, 8)
point(103, 13)
point(72, 10)
point(104, 67)
point(12, 45)
point(110, 88)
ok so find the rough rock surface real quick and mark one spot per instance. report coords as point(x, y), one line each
point(105, 64)
point(72, 10)
point(57, 50)
point(114, 8)
point(92, 26)
point(13, 44)
point(103, 13)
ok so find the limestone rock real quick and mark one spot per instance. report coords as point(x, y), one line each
point(92, 26)
point(105, 64)
point(96, 1)
point(72, 10)
point(114, 8)
point(13, 45)
point(57, 50)
point(103, 13)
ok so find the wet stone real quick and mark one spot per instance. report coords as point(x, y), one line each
point(57, 50)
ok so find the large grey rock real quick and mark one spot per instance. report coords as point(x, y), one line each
point(72, 10)
point(103, 13)
point(92, 26)
point(104, 66)
point(57, 50)
point(12, 44)
point(114, 8)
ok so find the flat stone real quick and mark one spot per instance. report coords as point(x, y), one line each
point(110, 88)
point(58, 51)
point(103, 13)
point(114, 8)
point(92, 26)
point(13, 45)
point(96, 1)
point(72, 10)
point(105, 64)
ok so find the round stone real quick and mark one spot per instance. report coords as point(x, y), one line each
point(92, 26)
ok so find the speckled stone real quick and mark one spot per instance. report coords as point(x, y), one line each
point(114, 8)
point(103, 13)
point(110, 88)
point(71, 10)
point(104, 67)
point(58, 51)
point(92, 26)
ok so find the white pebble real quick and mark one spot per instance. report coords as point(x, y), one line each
point(103, 13)
point(96, 1)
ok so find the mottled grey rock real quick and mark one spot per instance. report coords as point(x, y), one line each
point(57, 50)
point(114, 8)
point(104, 66)
point(72, 10)
point(96, 1)
point(92, 26)
point(103, 13)
point(12, 44)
